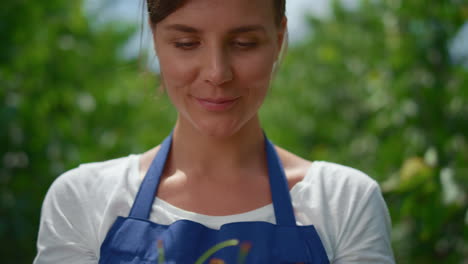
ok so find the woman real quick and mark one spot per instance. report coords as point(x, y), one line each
point(216, 189)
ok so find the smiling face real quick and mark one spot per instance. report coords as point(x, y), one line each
point(216, 60)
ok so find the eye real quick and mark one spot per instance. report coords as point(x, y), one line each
point(245, 44)
point(186, 45)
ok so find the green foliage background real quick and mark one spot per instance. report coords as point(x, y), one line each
point(372, 87)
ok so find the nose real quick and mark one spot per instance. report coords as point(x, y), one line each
point(218, 69)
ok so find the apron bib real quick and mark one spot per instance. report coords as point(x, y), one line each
point(137, 240)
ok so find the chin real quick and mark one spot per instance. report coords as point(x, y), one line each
point(220, 126)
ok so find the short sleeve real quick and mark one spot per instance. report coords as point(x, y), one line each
point(366, 236)
point(65, 230)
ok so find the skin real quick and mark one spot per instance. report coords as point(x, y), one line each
point(216, 60)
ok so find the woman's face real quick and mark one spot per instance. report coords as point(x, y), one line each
point(216, 59)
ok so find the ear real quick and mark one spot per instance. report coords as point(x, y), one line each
point(282, 32)
point(282, 38)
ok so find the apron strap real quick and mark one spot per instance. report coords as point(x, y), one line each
point(147, 193)
point(282, 204)
point(281, 198)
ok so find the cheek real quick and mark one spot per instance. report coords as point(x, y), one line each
point(256, 73)
point(176, 76)
point(176, 73)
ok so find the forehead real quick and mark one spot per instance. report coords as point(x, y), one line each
point(222, 13)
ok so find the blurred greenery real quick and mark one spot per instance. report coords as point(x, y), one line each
point(372, 87)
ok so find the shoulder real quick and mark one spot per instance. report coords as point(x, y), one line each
point(334, 193)
point(337, 185)
point(347, 208)
point(338, 177)
point(358, 222)
point(78, 209)
point(92, 173)
point(90, 179)
point(327, 175)
point(84, 195)
point(145, 161)
point(294, 166)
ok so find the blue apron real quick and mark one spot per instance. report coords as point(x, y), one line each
point(137, 240)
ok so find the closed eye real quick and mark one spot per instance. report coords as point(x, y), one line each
point(245, 44)
point(186, 45)
point(194, 44)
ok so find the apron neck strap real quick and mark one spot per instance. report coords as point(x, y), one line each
point(147, 193)
point(282, 204)
point(279, 186)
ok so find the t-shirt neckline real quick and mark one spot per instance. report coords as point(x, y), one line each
point(198, 217)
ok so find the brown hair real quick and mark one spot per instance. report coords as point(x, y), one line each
point(160, 9)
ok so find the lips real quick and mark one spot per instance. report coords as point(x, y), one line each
point(217, 104)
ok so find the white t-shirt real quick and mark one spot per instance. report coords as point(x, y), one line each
point(345, 206)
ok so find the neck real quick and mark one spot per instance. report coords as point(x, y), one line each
point(208, 156)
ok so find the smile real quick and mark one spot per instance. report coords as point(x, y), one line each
point(216, 104)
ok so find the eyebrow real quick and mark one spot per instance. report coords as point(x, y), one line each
point(189, 29)
point(182, 28)
point(247, 28)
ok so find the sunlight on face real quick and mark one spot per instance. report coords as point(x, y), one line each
point(216, 60)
